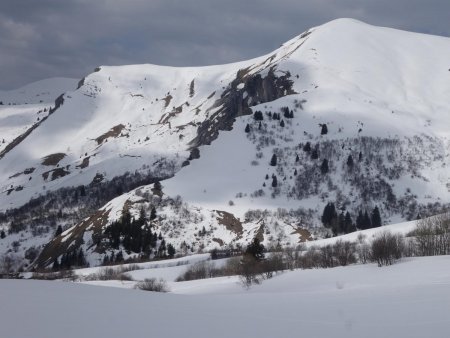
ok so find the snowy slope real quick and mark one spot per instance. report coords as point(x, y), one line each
point(43, 91)
point(141, 117)
point(409, 299)
point(24, 107)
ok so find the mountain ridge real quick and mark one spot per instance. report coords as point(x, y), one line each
point(380, 93)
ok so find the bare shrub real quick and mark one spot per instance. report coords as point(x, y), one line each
point(109, 273)
point(432, 236)
point(152, 284)
point(386, 248)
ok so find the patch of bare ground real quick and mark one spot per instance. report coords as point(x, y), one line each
point(113, 132)
point(303, 234)
point(27, 171)
point(167, 100)
point(67, 242)
point(53, 159)
point(218, 241)
point(230, 222)
point(55, 174)
point(84, 163)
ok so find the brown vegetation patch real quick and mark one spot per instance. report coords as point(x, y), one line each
point(74, 239)
point(218, 241)
point(113, 132)
point(304, 235)
point(167, 100)
point(84, 163)
point(230, 222)
point(55, 174)
point(53, 159)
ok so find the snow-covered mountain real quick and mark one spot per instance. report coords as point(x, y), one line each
point(355, 114)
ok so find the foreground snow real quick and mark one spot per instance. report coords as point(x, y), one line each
point(409, 299)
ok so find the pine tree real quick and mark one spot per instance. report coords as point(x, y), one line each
point(329, 215)
point(315, 154)
point(2, 234)
point(258, 116)
point(153, 214)
point(58, 231)
point(324, 167)
point(273, 160)
point(307, 147)
point(247, 128)
point(119, 257)
point(55, 266)
point(350, 161)
point(376, 218)
point(324, 129)
point(255, 249)
point(349, 226)
point(360, 220)
point(297, 158)
point(274, 181)
point(170, 250)
point(282, 124)
point(367, 223)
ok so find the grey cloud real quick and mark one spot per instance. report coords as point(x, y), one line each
point(46, 38)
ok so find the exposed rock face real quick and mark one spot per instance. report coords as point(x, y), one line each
point(245, 91)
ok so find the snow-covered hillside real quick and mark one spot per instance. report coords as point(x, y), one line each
point(23, 108)
point(408, 299)
point(355, 114)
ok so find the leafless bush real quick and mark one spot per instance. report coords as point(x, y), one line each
point(432, 236)
point(109, 273)
point(386, 248)
point(153, 284)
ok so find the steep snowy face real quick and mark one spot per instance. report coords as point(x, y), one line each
point(143, 117)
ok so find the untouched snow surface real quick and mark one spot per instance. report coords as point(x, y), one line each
point(409, 299)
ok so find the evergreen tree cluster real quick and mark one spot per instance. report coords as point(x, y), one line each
point(71, 259)
point(289, 114)
point(342, 223)
point(135, 235)
point(258, 115)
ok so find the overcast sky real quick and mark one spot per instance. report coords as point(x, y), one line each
point(69, 38)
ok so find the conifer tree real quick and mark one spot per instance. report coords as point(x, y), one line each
point(376, 218)
point(350, 161)
point(255, 249)
point(324, 129)
point(360, 220)
point(367, 222)
point(247, 128)
point(58, 231)
point(307, 147)
point(324, 167)
point(273, 160)
point(349, 226)
point(274, 181)
point(170, 250)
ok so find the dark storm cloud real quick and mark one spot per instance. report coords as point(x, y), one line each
point(45, 38)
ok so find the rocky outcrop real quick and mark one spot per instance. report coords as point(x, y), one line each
point(244, 92)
